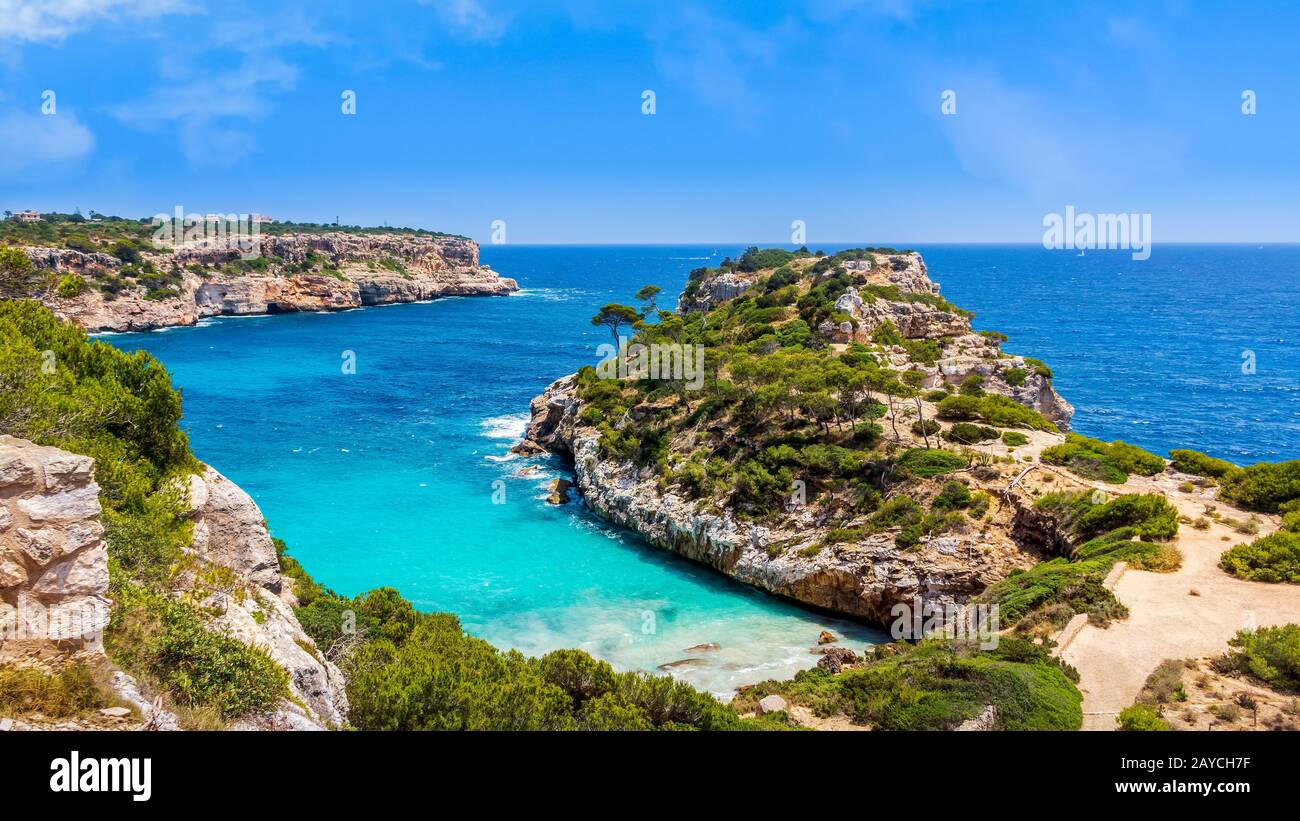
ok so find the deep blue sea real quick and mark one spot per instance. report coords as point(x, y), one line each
point(387, 476)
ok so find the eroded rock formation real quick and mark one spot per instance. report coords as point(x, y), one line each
point(363, 269)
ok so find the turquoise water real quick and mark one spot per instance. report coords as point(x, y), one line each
point(386, 477)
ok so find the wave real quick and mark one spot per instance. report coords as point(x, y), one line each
point(509, 426)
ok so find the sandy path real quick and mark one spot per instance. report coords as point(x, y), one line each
point(1165, 620)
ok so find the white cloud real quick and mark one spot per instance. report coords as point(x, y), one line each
point(211, 106)
point(716, 58)
point(38, 21)
point(34, 142)
point(471, 18)
point(1028, 139)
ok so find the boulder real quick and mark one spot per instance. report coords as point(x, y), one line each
point(771, 704)
point(836, 659)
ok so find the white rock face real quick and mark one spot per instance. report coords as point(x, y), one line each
point(53, 559)
point(771, 704)
point(865, 579)
point(229, 531)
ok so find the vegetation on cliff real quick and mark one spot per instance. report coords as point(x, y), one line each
point(1129, 528)
point(777, 403)
point(937, 685)
point(57, 388)
point(1108, 462)
point(101, 233)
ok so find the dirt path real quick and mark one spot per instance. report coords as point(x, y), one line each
point(1168, 621)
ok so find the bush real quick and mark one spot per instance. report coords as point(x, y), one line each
point(1266, 486)
point(169, 640)
point(972, 385)
point(71, 690)
point(1140, 718)
point(936, 685)
point(954, 496)
point(1015, 377)
point(994, 409)
point(1273, 558)
point(1014, 439)
point(927, 427)
point(1271, 654)
point(924, 462)
point(71, 286)
point(1094, 459)
point(968, 433)
point(1198, 464)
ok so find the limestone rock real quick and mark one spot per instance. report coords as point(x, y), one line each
point(836, 659)
point(229, 529)
point(559, 492)
point(430, 267)
point(826, 637)
point(771, 704)
point(986, 720)
point(53, 559)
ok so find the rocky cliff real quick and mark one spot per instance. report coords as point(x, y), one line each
point(820, 554)
point(300, 272)
point(54, 581)
point(862, 578)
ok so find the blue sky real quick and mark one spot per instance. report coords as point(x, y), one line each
point(470, 111)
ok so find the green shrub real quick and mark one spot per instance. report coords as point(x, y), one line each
point(1015, 377)
point(1140, 718)
point(169, 641)
point(972, 385)
point(936, 685)
point(994, 409)
point(927, 427)
point(954, 496)
point(71, 286)
point(1271, 654)
point(1014, 439)
point(968, 433)
point(924, 462)
point(1198, 464)
point(1094, 459)
point(1273, 558)
point(1265, 486)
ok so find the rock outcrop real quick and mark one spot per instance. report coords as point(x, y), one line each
point(53, 559)
point(304, 272)
point(230, 531)
point(864, 579)
point(54, 581)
